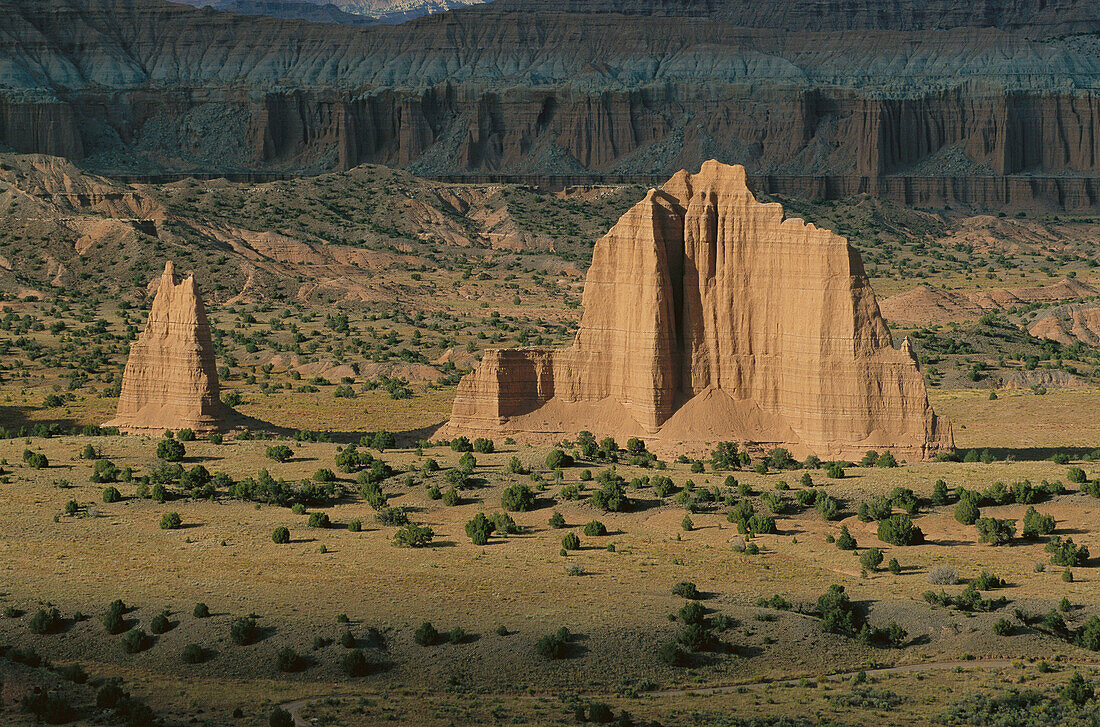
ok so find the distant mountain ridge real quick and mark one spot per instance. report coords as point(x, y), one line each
point(976, 91)
point(292, 10)
point(1034, 18)
point(343, 12)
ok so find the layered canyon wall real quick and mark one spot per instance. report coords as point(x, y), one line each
point(998, 91)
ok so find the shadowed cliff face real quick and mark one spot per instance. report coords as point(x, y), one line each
point(969, 91)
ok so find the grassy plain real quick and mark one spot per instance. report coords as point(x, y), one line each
point(353, 303)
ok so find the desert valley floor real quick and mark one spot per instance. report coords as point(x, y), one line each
point(321, 366)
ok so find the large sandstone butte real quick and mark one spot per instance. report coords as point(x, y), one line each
point(708, 317)
point(171, 381)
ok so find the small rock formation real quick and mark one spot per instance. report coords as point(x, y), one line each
point(707, 318)
point(1070, 324)
point(171, 381)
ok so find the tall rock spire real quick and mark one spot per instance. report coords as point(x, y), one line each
point(709, 317)
point(171, 380)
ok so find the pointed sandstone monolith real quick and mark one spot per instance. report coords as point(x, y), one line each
point(171, 381)
point(709, 317)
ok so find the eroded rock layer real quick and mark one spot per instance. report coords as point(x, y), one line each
point(993, 104)
point(171, 380)
point(709, 317)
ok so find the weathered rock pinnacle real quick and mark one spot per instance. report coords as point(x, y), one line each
point(171, 381)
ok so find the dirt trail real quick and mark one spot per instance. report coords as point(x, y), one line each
point(295, 710)
point(295, 707)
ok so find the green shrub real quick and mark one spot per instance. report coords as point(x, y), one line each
point(503, 524)
point(104, 471)
point(899, 530)
point(571, 542)
point(244, 631)
point(201, 611)
point(425, 634)
point(413, 536)
point(697, 637)
point(451, 497)
point(994, 531)
point(1037, 524)
point(871, 559)
point(160, 623)
point(518, 498)
point(193, 654)
point(355, 525)
point(877, 508)
point(280, 718)
point(838, 615)
point(280, 535)
point(663, 486)
point(36, 460)
point(845, 541)
point(478, 529)
point(886, 460)
point(1088, 636)
point(1066, 552)
point(392, 516)
point(134, 641)
point(1003, 627)
point(46, 622)
point(484, 446)
point(967, 511)
point(827, 506)
point(557, 521)
point(611, 496)
point(355, 664)
point(835, 471)
point(670, 653)
point(288, 660)
point(279, 453)
point(595, 528)
point(986, 581)
point(171, 450)
point(1078, 690)
point(686, 589)
point(558, 459)
point(939, 493)
point(319, 520)
point(170, 521)
point(1076, 475)
point(114, 620)
point(555, 645)
point(693, 612)
point(111, 494)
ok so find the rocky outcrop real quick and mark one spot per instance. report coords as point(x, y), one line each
point(709, 317)
point(925, 305)
point(989, 104)
point(170, 380)
point(1070, 324)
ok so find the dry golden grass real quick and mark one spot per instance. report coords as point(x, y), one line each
point(224, 556)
